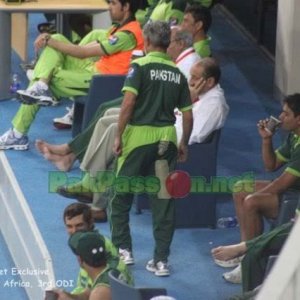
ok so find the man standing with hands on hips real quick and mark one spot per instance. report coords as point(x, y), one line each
point(146, 141)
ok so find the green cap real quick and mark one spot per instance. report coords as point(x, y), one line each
point(90, 246)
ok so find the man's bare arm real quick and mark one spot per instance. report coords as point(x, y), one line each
point(80, 51)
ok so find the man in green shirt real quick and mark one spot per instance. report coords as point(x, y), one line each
point(197, 21)
point(146, 141)
point(66, 69)
point(78, 217)
point(90, 250)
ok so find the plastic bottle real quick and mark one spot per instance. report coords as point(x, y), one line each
point(228, 222)
point(14, 85)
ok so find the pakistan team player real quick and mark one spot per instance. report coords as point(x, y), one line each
point(146, 141)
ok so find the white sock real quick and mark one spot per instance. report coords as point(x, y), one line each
point(17, 133)
point(42, 85)
point(39, 85)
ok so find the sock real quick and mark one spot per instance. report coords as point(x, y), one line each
point(17, 133)
point(42, 85)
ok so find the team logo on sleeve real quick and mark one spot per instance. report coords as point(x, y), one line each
point(113, 40)
point(130, 72)
point(173, 22)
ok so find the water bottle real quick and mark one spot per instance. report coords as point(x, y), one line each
point(14, 85)
point(228, 222)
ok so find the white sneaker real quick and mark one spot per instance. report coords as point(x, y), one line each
point(37, 94)
point(126, 256)
point(231, 263)
point(159, 269)
point(66, 121)
point(234, 276)
point(9, 141)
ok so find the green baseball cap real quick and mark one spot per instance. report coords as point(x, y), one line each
point(90, 246)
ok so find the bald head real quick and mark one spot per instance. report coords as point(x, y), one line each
point(210, 68)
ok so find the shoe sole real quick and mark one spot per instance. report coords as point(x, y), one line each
point(162, 274)
point(30, 100)
point(156, 273)
point(18, 148)
point(61, 126)
point(226, 264)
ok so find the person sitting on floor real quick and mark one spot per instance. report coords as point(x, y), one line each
point(78, 217)
point(263, 201)
point(67, 69)
point(90, 250)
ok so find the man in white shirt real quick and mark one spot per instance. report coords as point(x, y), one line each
point(181, 50)
point(210, 109)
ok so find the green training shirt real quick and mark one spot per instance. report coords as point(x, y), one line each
point(117, 42)
point(203, 48)
point(113, 261)
point(289, 152)
point(160, 87)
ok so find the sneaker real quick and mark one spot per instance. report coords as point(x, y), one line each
point(9, 141)
point(234, 276)
point(126, 256)
point(37, 95)
point(66, 121)
point(231, 263)
point(159, 269)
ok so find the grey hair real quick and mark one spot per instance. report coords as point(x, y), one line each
point(186, 37)
point(158, 33)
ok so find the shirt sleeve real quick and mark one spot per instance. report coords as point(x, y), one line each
point(133, 79)
point(119, 41)
point(283, 153)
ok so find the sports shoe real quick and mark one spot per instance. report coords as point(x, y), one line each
point(126, 256)
point(9, 141)
point(231, 263)
point(159, 269)
point(66, 121)
point(234, 276)
point(37, 95)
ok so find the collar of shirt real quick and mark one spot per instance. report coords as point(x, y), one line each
point(159, 54)
point(184, 54)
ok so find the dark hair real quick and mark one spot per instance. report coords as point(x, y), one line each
point(293, 102)
point(200, 13)
point(211, 68)
point(134, 5)
point(77, 209)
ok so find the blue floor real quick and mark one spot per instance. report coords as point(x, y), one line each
point(247, 80)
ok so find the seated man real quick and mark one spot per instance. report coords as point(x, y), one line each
point(89, 248)
point(264, 200)
point(67, 69)
point(256, 253)
point(78, 217)
point(197, 21)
